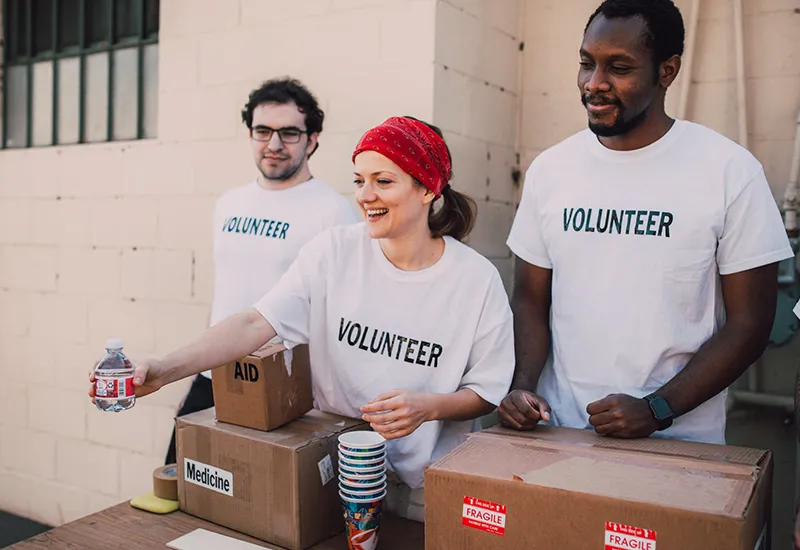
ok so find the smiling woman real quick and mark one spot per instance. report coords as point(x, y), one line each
point(373, 301)
point(402, 168)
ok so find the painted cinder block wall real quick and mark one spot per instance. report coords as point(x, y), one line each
point(114, 239)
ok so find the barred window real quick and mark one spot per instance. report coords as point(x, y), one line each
point(79, 71)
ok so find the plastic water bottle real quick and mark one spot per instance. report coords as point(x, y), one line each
point(114, 379)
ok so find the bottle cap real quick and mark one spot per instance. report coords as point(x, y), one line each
point(114, 343)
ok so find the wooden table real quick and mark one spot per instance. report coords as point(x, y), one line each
point(124, 527)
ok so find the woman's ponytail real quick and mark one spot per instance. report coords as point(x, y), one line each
point(455, 217)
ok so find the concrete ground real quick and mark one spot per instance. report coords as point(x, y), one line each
point(14, 529)
point(751, 427)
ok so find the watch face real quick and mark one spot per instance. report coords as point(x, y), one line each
point(661, 409)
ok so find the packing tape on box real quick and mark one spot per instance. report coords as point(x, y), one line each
point(287, 361)
point(165, 482)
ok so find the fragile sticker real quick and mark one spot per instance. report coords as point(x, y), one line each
point(625, 537)
point(326, 470)
point(484, 515)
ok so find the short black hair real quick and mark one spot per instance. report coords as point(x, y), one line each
point(281, 91)
point(665, 30)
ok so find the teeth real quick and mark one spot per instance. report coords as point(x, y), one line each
point(377, 211)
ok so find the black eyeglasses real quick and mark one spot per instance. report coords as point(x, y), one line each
point(286, 135)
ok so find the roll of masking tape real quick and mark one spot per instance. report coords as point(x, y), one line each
point(165, 482)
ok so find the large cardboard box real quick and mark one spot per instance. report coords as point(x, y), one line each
point(571, 489)
point(266, 389)
point(279, 486)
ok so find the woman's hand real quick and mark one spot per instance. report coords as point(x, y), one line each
point(231, 339)
point(146, 378)
point(398, 413)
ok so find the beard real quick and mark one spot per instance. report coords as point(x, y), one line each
point(621, 125)
point(284, 174)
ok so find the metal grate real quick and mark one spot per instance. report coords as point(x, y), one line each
point(78, 71)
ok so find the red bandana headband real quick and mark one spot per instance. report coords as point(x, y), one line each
point(414, 147)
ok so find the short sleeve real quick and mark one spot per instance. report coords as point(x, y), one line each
point(491, 360)
point(526, 239)
point(217, 219)
point(287, 306)
point(753, 234)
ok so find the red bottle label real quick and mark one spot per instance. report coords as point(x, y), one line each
point(113, 388)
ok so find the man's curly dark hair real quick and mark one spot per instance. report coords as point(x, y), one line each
point(281, 91)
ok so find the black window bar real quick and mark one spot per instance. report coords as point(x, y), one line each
point(37, 31)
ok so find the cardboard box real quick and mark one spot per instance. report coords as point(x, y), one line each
point(279, 486)
point(266, 389)
point(571, 489)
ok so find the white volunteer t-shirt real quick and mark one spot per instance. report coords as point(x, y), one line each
point(637, 241)
point(258, 233)
point(372, 328)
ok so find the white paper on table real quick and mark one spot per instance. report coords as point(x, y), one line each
point(200, 539)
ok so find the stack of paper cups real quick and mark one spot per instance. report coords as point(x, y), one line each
point(362, 486)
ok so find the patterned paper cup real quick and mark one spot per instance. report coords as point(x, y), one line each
point(362, 518)
point(360, 465)
point(363, 455)
point(369, 471)
point(355, 483)
point(361, 474)
point(361, 441)
point(368, 493)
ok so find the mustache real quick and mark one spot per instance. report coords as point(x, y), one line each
point(599, 100)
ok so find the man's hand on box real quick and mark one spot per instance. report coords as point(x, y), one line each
point(621, 415)
point(398, 413)
point(146, 374)
point(522, 410)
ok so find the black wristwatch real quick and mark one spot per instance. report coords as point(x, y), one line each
point(661, 410)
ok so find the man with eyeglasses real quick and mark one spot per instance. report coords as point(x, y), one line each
point(260, 227)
